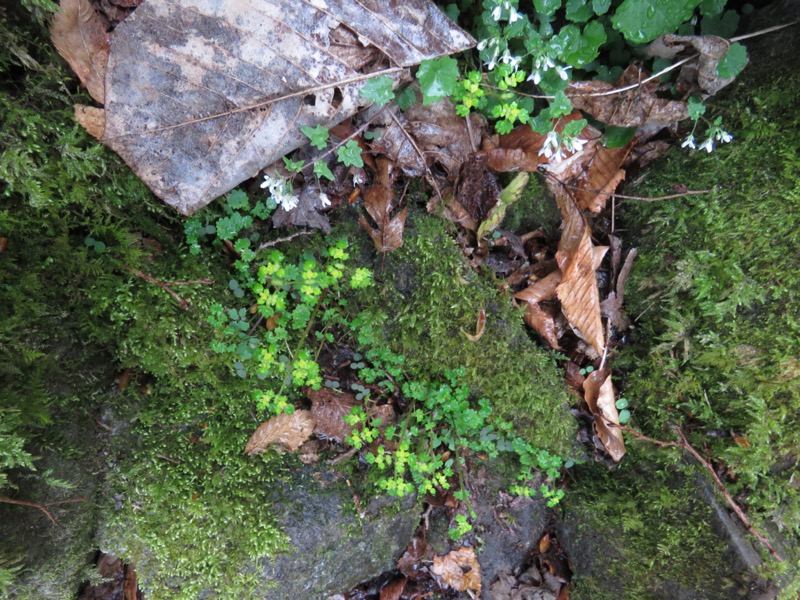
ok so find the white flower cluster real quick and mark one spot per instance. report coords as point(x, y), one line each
point(542, 64)
point(513, 14)
point(280, 191)
point(715, 134)
point(554, 146)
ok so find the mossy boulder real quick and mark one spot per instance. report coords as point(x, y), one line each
point(714, 350)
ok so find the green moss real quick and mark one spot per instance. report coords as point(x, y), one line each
point(643, 532)
point(718, 286)
point(430, 295)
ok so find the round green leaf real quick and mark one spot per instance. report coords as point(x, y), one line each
point(437, 78)
point(378, 90)
point(733, 62)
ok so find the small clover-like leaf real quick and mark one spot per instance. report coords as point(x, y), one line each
point(378, 90)
point(321, 169)
point(318, 136)
point(350, 154)
point(293, 166)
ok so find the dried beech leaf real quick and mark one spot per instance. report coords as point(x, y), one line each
point(599, 395)
point(479, 328)
point(79, 34)
point(290, 431)
point(600, 176)
point(632, 108)
point(695, 76)
point(201, 94)
point(394, 589)
point(329, 409)
point(578, 293)
point(543, 319)
point(542, 290)
point(453, 211)
point(378, 202)
point(93, 120)
point(458, 570)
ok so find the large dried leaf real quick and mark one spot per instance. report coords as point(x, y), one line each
point(631, 108)
point(379, 203)
point(696, 75)
point(329, 409)
point(459, 570)
point(201, 94)
point(79, 34)
point(92, 119)
point(598, 176)
point(599, 395)
point(577, 259)
point(542, 318)
point(290, 431)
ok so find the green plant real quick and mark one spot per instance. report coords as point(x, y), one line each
point(555, 42)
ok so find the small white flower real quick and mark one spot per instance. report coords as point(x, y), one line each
point(563, 72)
point(535, 77)
point(510, 59)
point(689, 141)
point(550, 145)
point(724, 136)
point(482, 44)
point(575, 145)
point(280, 192)
point(497, 13)
point(514, 16)
point(324, 200)
point(708, 145)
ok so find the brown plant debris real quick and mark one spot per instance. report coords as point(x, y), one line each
point(458, 570)
point(79, 34)
point(599, 395)
point(379, 203)
point(289, 431)
point(329, 408)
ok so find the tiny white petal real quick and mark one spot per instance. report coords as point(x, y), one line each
point(496, 13)
point(482, 45)
point(689, 141)
point(324, 200)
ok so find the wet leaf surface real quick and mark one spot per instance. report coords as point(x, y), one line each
point(600, 397)
point(329, 409)
point(201, 95)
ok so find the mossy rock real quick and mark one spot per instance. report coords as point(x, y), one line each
point(715, 351)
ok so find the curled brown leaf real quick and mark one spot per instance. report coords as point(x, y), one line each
point(289, 431)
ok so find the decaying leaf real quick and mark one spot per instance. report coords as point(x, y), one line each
point(394, 589)
point(477, 188)
point(459, 570)
point(201, 94)
point(599, 395)
point(511, 193)
point(578, 260)
point(635, 107)
point(479, 327)
point(598, 176)
point(612, 306)
point(379, 203)
point(290, 431)
point(92, 119)
point(700, 75)
point(439, 134)
point(329, 408)
point(307, 212)
point(79, 34)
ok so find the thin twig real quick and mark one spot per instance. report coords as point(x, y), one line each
point(167, 458)
point(685, 445)
point(622, 196)
point(204, 281)
point(265, 103)
point(763, 31)
point(185, 304)
point(266, 245)
point(736, 508)
point(41, 507)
